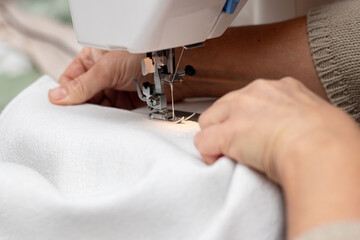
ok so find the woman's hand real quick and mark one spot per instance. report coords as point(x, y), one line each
point(300, 141)
point(258, 124)
point(100, 77)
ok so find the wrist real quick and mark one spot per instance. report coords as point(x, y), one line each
point(320, 181)
point(327, 142)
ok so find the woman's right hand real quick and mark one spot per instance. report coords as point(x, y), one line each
point(285, 131)
point(263, 122)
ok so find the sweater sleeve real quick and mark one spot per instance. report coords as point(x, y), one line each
point(340, 231)
point(334, 37)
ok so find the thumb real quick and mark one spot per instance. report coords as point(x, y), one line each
point(82, 88)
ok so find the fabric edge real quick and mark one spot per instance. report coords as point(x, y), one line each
point(23, 93)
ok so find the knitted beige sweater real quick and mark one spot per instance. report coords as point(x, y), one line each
point(339, 231)
point(334, 36)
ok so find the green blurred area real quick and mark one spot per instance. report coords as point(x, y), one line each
point(12, 84)
point(58, 9)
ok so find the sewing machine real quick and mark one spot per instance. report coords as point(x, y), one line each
point(154, 27)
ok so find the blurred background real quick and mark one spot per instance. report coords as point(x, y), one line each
point(36, 38)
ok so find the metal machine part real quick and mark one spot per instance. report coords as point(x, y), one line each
point(162, 65)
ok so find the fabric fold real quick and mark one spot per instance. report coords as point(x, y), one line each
point(91, 172)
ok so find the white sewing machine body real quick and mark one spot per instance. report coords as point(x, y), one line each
point(141, 26)
point(155, 27)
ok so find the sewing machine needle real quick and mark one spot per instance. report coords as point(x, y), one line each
point(172, 101)
point(172, 87)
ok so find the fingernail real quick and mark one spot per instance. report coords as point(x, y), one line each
point(196, 140)
point(58, 93)
point(210, 160)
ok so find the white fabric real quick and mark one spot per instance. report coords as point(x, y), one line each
point(90, 172)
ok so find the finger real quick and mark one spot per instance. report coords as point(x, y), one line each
point(81, 64)
point(82, 88)
point(210, 159)
point(212, 142)
point(75, 69)
point(220, 110)
point(216, 114)
point(228, 97)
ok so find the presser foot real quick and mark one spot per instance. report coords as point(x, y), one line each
point(168, 117)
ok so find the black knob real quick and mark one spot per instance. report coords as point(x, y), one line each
point(190, 70)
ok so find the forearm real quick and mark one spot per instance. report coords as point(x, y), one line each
point(321, 180)
point(244, 54)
